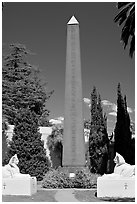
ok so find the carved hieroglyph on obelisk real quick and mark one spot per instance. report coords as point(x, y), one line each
point(73, 139)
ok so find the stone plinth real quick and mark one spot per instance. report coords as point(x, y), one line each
point(19, 186)
point(73, 138)
point(122, 187)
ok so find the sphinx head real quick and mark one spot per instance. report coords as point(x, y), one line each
point(119, 159)
point(14, 160)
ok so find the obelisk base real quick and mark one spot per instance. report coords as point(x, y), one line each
point(72, 170)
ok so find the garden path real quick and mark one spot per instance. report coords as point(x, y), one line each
point(65, 196)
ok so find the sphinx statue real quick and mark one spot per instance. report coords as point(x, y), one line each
point(122, 168)
point(120, 183)
point(11, 170)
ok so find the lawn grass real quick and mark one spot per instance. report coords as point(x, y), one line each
point(40, 196)
point(86, 196)
point(48, 196)
point(90, 196)
point(119, 199)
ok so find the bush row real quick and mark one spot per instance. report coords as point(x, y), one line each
point(60, 179)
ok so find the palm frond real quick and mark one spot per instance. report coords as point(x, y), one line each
point(132, 47)
point(126, 31)
point(121, 17)
point(121, 4)
point(125, 36)
point(127, 15)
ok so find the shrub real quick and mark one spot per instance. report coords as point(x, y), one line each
point(60, 179)
point(55, 140)
point(54, 143)
point(26, 143)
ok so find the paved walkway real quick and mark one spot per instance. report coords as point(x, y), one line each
point(65, 196)
point(62, 195)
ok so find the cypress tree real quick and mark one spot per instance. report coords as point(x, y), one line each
point(94, 107)
point(122, 129)
point(26, 143)
point(98, 139)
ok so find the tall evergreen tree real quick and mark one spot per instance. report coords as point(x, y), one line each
point(26, 143)
point(21, 87)
point(98, 139)
point(122, 129)
point(94, 107)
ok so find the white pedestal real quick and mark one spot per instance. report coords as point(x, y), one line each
point(19, 186)
point(122, 187)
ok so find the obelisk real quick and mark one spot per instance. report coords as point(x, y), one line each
point(73, 138)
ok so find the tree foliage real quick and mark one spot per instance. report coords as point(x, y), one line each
point(26, 143)
point(87, 124)
point(98, 139)
point(55, 145)
point(21, 87)
point(2, 5)
point(55, 140)
point(4, 146)
point(60, 179)
point(126, 16)
point(4, 138)
point(123, 136)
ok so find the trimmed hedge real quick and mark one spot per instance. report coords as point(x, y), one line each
point(59, 179)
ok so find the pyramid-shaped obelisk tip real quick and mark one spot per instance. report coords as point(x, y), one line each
point(73, 20)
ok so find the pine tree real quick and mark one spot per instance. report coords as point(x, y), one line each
point(21, 87)
point(26, 143)
point(98, 139)
point(122, 128)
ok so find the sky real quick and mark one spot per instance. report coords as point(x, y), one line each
point(42, 26)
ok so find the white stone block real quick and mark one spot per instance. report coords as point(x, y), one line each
point(19, 186)
point(121, 187)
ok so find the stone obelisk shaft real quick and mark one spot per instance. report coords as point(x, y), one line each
point(73, 139)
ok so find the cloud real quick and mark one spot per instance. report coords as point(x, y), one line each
point(60, 118)
point(86, 100)
point(113, 113)
point(114, 107)
point(111, 107)
point(56, 121)
point(109, 104)
point(129, 110)
point(106, 103)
